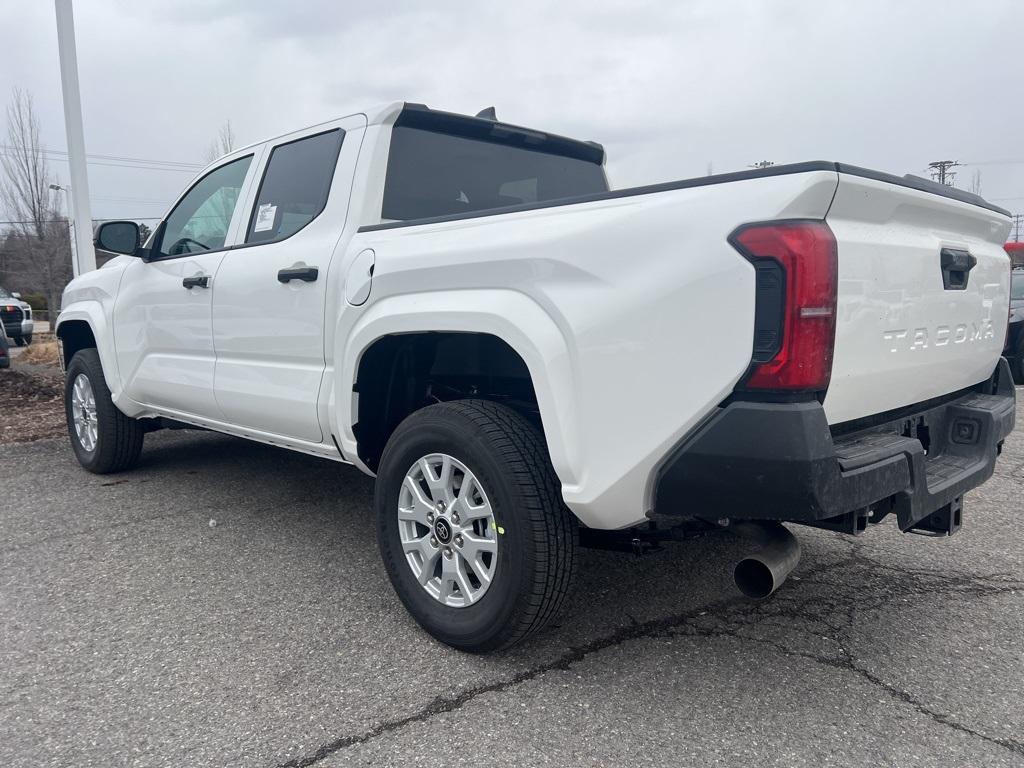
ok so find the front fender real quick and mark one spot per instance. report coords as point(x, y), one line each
point(90, 311)
point(511, 316)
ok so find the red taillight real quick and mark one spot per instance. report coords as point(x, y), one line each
point(806, 252)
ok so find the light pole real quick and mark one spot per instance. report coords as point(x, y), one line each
point(71, 225)
point(85, 256)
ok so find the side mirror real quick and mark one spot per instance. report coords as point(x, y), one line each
point(118, 237)
point(16, 294)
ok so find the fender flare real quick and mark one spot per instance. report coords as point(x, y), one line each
point(91, 312)
point(509, 315)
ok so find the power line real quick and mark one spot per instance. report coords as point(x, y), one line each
point(119, 158)
point(1011, 161)
point(125, 165)
point(62, 221)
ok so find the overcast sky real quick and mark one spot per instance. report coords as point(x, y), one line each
point(668, 87)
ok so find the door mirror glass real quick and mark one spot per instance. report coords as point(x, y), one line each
point(16, 295)
point(118, 237)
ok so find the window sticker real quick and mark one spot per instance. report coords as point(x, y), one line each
point(265, 215)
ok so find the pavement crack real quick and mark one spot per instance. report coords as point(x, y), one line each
point(793, 608)
point(846, 661)
point(441, 705)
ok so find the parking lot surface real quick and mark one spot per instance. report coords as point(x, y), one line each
point(138, 632)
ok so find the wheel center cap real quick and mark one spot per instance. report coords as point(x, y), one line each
point(443, 530)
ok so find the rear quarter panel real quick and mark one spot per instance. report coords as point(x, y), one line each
point(651, 309)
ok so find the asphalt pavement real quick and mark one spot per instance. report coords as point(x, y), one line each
point(224, 604)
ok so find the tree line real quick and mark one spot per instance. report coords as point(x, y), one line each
point(35, 241)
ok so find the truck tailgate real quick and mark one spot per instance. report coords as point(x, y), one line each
point(908, 329)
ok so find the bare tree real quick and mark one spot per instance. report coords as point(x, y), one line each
point(224, 143)
point(976, 182)
point(42, 249)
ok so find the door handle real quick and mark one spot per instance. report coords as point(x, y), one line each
point(305, 274)
point(196, 281)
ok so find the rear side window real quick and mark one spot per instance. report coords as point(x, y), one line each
point(294, 187)
point(431, 173)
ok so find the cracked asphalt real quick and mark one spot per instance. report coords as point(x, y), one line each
point(135, 633)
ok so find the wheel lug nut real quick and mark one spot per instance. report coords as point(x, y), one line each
point(458, 541)
point(455, 517)
point(448, 552)
point(430, 517)
point(440, 506)
point(433, 541)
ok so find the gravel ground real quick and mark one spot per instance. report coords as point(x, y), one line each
point(135, 633)
point(33, 402)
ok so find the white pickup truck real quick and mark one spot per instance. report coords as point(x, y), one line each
point(462, 308)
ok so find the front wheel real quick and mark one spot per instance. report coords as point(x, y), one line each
point(471, 525)
point(104, 439)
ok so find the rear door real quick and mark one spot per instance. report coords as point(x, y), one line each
point(923, 293)
point(268, 304)
point(162, 316)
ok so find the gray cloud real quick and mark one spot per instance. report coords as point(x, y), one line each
point(667, 86)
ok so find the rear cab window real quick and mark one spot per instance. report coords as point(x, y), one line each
point(441, 164)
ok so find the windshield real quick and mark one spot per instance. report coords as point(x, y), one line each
point(4, 294)
point(1017, 286)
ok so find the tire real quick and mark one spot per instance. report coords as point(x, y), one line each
point(536, 535)
point(26, 340)
point(118, 439)
point(21, 342)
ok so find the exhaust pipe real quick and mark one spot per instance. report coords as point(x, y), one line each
point(759, 574)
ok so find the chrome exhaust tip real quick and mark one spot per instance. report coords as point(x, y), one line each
point(763, 571)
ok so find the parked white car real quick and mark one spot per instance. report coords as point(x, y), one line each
point(16, 317)
point(463, 308)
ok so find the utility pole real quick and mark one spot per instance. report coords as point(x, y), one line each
point(942, 171)
point(83, 255)
point(71, 221)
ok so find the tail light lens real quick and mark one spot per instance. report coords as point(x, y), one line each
point(798, 259)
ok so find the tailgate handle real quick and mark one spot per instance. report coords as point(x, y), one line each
point(956, 267)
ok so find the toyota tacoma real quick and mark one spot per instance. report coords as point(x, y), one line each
point(523, 357)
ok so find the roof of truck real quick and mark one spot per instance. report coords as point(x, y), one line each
point(384, 114)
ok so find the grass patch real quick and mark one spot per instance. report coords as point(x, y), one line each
point(40, 353)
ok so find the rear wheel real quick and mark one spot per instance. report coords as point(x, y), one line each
point(22, 341)
point(104, 439)
point(27, 339)
point(472, 528)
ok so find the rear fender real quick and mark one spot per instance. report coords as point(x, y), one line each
point(508, 315)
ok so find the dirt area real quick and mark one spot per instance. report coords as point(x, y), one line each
point(31, 402)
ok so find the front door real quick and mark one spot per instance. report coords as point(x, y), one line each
point(269, 302)
point(163, 313)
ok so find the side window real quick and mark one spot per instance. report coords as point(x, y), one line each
point(200, 221)
point(294, 187)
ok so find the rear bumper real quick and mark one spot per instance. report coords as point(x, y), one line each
point(781, 461)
